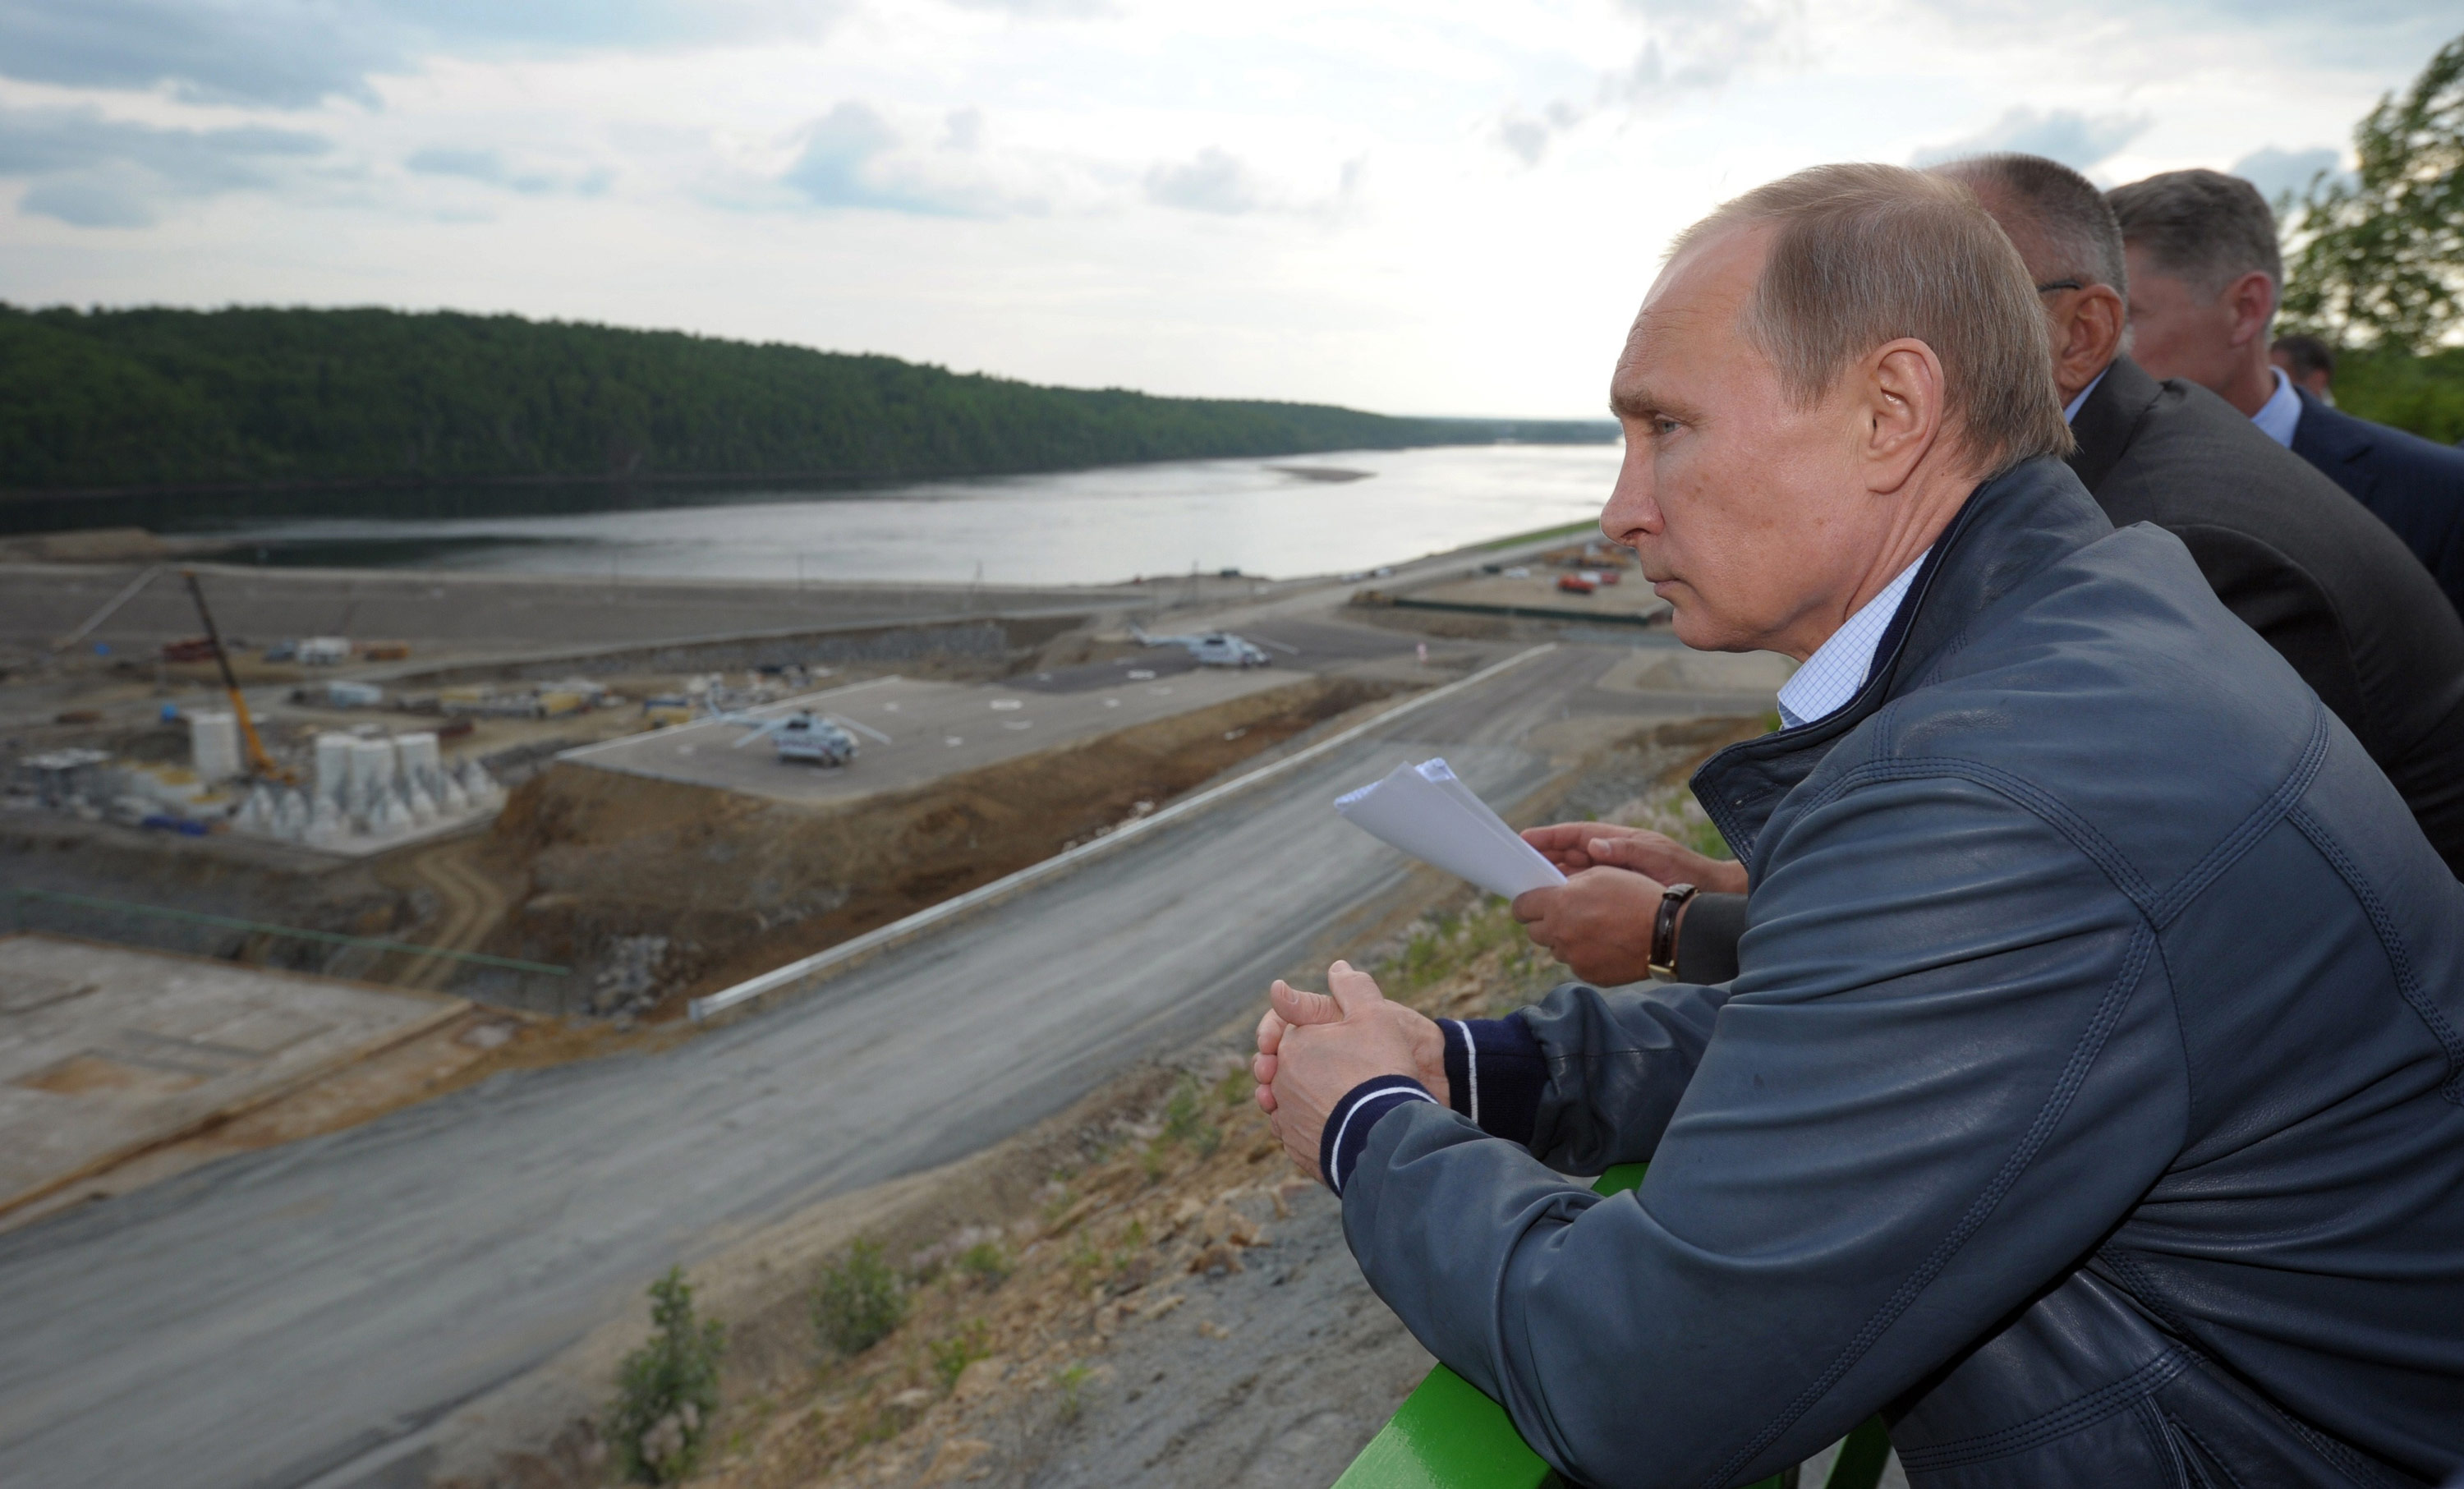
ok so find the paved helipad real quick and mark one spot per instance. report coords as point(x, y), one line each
point(910, 732)
point(107, 1051)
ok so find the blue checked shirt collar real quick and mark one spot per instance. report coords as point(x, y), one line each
point(1832, 675)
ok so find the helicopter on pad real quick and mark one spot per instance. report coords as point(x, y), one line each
point(802, 739)
point(1212, 649)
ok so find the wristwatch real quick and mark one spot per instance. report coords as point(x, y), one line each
point(1663, 930)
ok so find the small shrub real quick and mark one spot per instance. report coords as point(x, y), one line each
point(1072, 1381)
point(668, 1390)
point(1086, 1266)
point(1187, 1122)
point(858, 1300)
point(985, 1263)
point(952, 1353)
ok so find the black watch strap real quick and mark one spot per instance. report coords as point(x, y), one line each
point(1663, 930)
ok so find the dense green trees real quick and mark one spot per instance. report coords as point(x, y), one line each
point(2374, 262)
point(2392, 386)
point(2377, 258)
point(173, 398)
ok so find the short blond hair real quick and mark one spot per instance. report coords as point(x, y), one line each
point(1864, 254)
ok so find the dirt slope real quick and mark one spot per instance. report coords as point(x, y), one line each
point(700, 888)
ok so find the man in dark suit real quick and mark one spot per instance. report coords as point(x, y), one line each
point(2416, 487)
point(2330, 588)
point(2204, 276)
point(2308, 362)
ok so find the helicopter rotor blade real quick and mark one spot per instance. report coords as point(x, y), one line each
point(848, 723)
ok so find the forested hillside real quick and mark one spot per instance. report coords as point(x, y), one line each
point(249, 398)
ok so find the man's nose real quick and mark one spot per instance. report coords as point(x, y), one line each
point(1630, 510)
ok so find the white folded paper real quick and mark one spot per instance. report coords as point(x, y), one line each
point(1426, 812)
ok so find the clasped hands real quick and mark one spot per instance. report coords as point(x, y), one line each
point(1315, 1047)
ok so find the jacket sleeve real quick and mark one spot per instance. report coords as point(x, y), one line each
point(1707, 939)
point(1952, 1068)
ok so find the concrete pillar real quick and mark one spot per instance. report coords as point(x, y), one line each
point(214, 746)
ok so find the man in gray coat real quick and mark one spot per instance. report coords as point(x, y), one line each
point(2090, 1099)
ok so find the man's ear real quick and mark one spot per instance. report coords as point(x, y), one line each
point(2252, 299)
point(1902, 412)
point(2088, 339)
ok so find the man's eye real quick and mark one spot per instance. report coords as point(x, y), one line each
point(1663, 428)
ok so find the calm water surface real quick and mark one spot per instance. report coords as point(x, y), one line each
point(1082, 526)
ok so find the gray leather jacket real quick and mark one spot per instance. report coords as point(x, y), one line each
point(2090, 1100)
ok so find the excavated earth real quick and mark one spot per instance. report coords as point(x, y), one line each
point(663, 891)
point(1138, 1291)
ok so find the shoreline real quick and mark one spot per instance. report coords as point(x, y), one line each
point(818, 480)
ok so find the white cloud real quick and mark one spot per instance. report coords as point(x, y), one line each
point(1213, 181)
point(2277, 172)
point(284, 55)
point(1695, 45)
point(1058, 10)
point(95, 171)
point(1688, 48)
point(2078, 140)
point(489, 168)
point(1448, 206)
point(856, 157)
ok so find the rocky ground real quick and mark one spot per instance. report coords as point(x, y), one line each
point(1174, 1308)
point(1140, 1292)
point(1180, 1311)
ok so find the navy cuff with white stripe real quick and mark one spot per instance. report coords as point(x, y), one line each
point(1348, 1124)
point(1495, 1073)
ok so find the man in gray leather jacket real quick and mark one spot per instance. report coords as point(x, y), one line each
point(2090, 1100)
point(2324, 581)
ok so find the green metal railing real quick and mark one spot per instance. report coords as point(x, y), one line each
point(1448, 1436)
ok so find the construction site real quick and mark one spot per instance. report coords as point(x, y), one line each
point(470, 890)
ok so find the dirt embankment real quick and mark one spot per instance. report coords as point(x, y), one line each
point(1136, 1291)
point(657, 891)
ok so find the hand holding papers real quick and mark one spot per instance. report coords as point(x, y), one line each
point(1426, 812)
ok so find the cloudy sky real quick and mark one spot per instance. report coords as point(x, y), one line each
point(1412, 206)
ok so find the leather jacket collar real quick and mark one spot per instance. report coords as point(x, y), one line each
point(2011, 528)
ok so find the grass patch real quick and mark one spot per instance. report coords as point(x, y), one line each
point(986, 1265)
point(1071, 1380)
point(952, 1352)
point(1186, 1120)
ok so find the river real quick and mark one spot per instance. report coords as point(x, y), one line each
point(1278, 518)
